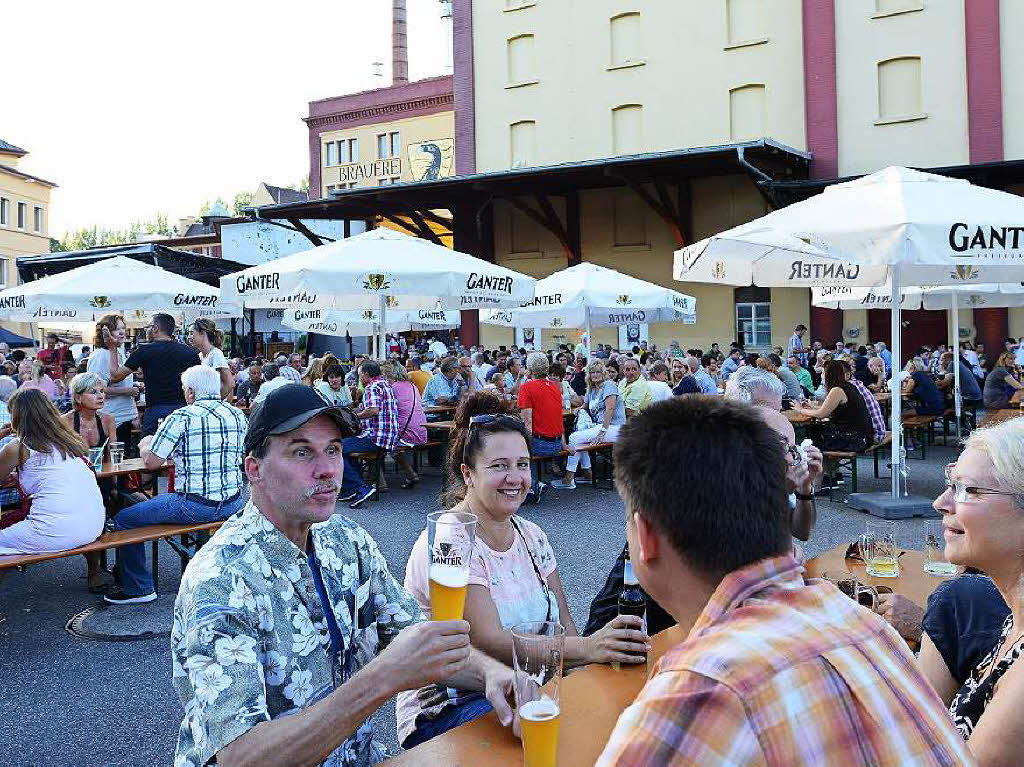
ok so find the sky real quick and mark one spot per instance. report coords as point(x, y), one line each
point(142, 107)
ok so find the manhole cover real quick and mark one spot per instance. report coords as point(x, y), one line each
point(119, 624)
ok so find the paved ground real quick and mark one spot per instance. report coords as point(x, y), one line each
point(73, 701)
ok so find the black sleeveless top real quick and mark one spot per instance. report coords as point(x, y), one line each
point(99, 428)
point(969, 704)
point(853, 414)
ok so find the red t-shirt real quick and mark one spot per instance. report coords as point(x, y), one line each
point(544, 398)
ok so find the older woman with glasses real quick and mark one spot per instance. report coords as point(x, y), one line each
point(606, 408)
point(513, 574)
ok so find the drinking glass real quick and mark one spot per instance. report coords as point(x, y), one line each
point(116, 453)
point(935, 561)
point(96, 458)
point(878, 550)
point(450, 537)
point(847, 583)
point(538, 648)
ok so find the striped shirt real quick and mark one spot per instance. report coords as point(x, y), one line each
point(874, 410)
point(205, 439)
point(780, 671)
point(381, 429)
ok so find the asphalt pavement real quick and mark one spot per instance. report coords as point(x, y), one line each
point(69, 700)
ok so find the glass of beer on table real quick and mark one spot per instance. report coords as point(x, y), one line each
point(450, 537)
point(537, 651)
point(878, 550)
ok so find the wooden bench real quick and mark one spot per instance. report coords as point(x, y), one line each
point(847, 459)
point(601, 467)
point(188, 535)
point(375, 460)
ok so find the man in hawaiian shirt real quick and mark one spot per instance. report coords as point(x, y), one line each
point(265, 672)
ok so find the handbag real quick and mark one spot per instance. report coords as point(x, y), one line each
point(18, 514)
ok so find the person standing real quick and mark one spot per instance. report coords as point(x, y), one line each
point(207, 338)
point(119, 399)
point(540, 406)
point(162, 361)
point(795, 347)
point(379, 419)
point(53, 356)
point(205, 437)
point(775, 669)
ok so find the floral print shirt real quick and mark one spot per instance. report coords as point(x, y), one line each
point(249, 641)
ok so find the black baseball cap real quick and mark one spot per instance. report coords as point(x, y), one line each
point(285, 409)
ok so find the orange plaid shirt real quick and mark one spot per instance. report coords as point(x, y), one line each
point(779, 671)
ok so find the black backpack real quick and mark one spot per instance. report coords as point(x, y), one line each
point(606, 604)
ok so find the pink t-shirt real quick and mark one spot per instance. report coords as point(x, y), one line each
point(410, 409)
point(515, 589)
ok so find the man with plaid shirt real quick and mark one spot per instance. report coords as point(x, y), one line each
point(874, 409)
point(206, 439)
point(379, 418)
point(773, 669)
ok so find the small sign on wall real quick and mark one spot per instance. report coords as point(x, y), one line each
point(633, 334)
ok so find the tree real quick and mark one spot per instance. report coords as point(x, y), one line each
point(242, 200)
point(56, 246)
point(208, 206)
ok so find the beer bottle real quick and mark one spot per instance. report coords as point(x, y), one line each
point(632, 600)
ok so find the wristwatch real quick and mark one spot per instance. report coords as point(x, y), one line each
point(804, 497)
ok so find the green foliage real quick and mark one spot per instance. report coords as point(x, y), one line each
point(56, 246)
point(93, 237)
point(242, 200)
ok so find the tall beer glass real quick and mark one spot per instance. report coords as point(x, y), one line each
point(537, 652)
point(450, 536)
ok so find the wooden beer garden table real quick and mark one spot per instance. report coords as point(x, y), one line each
point(593, 697)
point(439, 410)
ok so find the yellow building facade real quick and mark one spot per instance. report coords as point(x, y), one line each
point(856, 85)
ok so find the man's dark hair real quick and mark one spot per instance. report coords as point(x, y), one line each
point(658, 368)
point(53, 336)
point(707, 359)
point(371, 368)
point(334, 371)
point(709, 474)
point(164, 323)
point(775, 359)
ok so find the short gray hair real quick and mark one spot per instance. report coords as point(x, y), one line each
point(754, 385)
point(203, 380)
point(270, 371)
point(7, 387)
point(693, 363)
point(79, 385)
point(1004, 446)
point(537, 364)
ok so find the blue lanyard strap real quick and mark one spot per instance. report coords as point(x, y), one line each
point(333, 630)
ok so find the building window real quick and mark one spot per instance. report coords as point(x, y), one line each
point(627, 129)
point(629, 220)
point(329, 158)
point(388, 145)
point(899, 88)
point(38, 219)
point(3, 272)
point(746, 112)
point(521, 60)
point(5, 211)
point(22, 215)
point(754, 324)
point(625, 39)
point(396, 144)
point(744, 21)
point(353, 150)
point(523, 142)
point(523, 235)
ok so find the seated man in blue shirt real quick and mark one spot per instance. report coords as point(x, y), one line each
point(444, 388)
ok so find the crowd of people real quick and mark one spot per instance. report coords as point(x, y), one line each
point(289, 630)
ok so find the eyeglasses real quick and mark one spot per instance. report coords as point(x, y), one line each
point(796, 457)
point(962, 492)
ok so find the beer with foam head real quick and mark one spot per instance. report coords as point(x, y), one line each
point(447, 592)
point(539, 726)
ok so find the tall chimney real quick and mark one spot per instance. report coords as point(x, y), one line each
point(399, 45)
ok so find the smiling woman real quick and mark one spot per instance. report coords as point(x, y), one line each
point(513, 576)
point(983, 526)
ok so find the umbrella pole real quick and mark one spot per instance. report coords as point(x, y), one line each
point(381, 352)
point(957, 402)
point(896, 329)
point(590, 343)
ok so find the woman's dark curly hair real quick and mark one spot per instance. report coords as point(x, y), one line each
point(466, 442)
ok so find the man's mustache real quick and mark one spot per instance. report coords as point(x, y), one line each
point(322, 487)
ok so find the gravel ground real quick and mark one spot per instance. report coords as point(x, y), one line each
point(73, 701)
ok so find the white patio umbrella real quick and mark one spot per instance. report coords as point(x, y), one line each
point(898, 225)
point(335, 322)
point(588, 294)
point(117, 284)
point(951, 297)
point(369, 270)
